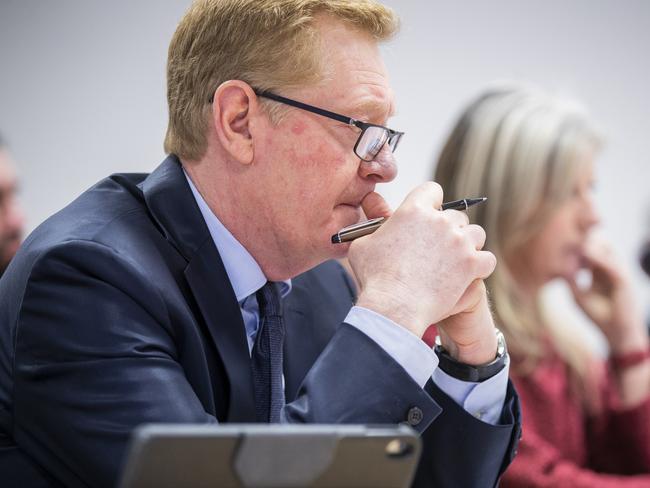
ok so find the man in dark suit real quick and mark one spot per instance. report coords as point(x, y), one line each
point(155, 298)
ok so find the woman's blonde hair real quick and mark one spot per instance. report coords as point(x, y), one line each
point(521, 148)
point(269, 44)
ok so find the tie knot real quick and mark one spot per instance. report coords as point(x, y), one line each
point(268, 299)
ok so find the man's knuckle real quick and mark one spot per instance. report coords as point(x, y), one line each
point(457, 239)
point(470, 260)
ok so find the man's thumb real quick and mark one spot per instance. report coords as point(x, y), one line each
point(375, 206)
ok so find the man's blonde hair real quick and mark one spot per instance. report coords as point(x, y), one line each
point(270, 44)
point(522, 148)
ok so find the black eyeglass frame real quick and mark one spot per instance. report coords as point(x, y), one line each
point(393, 135)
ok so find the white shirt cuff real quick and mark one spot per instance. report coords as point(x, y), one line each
point(483, 400)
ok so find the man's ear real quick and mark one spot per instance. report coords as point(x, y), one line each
point(231, 111)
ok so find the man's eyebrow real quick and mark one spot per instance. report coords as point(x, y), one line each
point(372, 108)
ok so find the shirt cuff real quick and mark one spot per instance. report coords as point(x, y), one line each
point(483, 400)
point(407, 349)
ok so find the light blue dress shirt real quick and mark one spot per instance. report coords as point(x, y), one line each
point(483, 400)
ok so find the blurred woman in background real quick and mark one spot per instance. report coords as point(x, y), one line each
point(586, 422)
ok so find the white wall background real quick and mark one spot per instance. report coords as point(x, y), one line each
point(82, 89)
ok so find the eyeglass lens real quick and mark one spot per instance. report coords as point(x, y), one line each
point(370, 143)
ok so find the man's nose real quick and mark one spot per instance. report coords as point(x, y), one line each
point(382, 169)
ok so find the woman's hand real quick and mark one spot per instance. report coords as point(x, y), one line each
point(609, 301)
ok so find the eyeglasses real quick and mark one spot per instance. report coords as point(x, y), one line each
point(372, 138)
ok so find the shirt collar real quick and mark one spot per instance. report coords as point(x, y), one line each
point(245, 275)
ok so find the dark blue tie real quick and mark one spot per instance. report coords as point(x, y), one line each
point(266, 356)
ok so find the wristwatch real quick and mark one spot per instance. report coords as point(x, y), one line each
point(466, 372)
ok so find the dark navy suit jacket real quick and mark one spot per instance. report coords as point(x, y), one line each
point(117, 311)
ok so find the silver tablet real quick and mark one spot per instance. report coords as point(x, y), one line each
point(262, 455)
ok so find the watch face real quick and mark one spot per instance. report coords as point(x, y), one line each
point(501, 343)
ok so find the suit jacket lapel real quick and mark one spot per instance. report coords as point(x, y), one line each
point(172, 205)
point(305, 336)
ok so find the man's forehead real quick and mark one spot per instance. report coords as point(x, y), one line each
point(360, 92)
point(354, 69)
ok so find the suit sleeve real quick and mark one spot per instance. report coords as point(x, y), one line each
point(94, 358)
point(355, 380)
point(461, 450)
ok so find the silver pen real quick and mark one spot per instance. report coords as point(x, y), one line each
point(354, 231)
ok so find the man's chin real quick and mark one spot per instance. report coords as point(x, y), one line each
point(339, 250)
